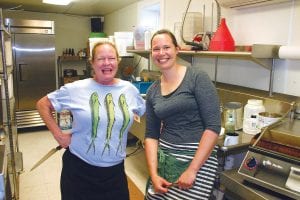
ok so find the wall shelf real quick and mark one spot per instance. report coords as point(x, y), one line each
point(261, 54)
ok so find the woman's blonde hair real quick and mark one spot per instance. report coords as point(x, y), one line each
point(92, 57)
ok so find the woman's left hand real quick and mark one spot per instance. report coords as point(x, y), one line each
point(186, 180)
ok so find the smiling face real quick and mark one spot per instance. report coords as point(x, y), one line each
point(164, 51)
point(105, 63)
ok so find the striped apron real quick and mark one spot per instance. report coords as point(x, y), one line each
point(204, 183)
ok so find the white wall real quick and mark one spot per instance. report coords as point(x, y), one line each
point(273, 24)
point(124, 19)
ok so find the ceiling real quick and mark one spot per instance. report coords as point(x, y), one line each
point(77, 7)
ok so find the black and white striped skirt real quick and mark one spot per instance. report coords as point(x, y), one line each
point(204, 183)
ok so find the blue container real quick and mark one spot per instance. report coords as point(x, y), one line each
point(142, 86)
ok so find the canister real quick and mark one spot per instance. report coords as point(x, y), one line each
point(251, 111)
point(233, 116)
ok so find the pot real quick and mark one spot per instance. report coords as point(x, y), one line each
point(233, 116)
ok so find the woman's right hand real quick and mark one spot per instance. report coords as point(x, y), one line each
point(160, 184)
point(45, 109)
point(63, 139)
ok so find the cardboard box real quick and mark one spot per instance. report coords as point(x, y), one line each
point(70, 79)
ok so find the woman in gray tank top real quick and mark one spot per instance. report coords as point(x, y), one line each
point(182, 127)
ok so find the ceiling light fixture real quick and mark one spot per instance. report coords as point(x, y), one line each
point(57, 2)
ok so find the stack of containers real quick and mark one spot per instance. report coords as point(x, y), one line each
point(139, 38)
point(123, 40)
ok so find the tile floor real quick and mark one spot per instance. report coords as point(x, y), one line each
point(43, 182)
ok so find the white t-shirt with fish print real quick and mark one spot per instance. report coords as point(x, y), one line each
point(102, 117)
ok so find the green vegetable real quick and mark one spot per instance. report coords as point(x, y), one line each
point(126, 118)
point(94, 105)
point(109, 104)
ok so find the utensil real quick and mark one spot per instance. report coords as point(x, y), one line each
point(45, 157)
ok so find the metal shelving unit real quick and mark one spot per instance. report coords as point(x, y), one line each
point(68, 62)
point(261, 54)
point(12, 158)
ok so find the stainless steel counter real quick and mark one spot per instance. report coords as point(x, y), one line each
point(278, 103)
point(238, 150)
point(237, 188)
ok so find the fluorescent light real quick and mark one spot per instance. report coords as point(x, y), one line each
point(57, 2)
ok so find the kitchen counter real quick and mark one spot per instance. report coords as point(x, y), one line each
point(278, 103)
point(238, 151)
point(237, 188)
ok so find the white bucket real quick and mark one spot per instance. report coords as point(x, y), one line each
point(250, 120)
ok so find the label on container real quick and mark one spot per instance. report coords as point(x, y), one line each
point(65, 121)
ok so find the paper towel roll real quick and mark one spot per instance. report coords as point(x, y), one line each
point(289, 52)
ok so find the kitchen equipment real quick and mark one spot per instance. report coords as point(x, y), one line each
point(233, 116)
point(202, 38)
point(45, 157)
point(33, 43)
point(222, 39)
point(273, 160)
point(230, 140)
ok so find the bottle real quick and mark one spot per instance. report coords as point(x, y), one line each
point(69, 52)
point(251, 111)
point(65, 121)
point(72, 52)
point(147, 38)
point(230, 125)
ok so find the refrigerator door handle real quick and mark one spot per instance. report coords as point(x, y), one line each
point(20, 71)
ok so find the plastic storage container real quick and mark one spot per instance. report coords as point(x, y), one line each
point(142, 86)
point(193, 24)
point(139, 38)
point(251, 111)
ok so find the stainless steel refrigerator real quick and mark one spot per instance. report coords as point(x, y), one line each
point(33, 43)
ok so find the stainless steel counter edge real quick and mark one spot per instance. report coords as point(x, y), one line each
point(237, 189)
